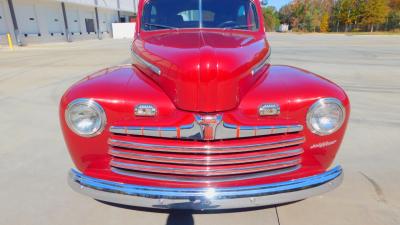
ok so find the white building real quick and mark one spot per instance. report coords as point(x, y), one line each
point(31, 21)
point(283, 28)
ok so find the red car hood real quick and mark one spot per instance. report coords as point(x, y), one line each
point(203, 71)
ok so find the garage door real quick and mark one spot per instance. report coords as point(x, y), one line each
point(26, 18)
point(103, 21)
point(3, 23)
point(90, 21)
point(111, 18)
point(54, 18)
point(73, 19)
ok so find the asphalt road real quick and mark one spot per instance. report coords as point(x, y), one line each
point(34, 160)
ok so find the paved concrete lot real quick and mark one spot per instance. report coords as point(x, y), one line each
point(34, 160)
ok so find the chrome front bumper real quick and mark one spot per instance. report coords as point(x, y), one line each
point(208, 198)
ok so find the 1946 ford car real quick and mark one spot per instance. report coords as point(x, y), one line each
point(201, 119)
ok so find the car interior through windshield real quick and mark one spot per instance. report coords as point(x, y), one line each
point(178, 14)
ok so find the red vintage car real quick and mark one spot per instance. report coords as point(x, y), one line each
point(201, 119)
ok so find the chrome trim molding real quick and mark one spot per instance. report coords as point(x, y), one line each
point(205, 198)
point(207, 180)
point(195, 131)
point(154, 68)
point(263, 62)
point(208, 160)
point(206, 149)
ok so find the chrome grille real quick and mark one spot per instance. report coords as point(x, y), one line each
point(230, 159)
point(204, 171)
point(197, 179)
point(206, 161)
point(205, 149)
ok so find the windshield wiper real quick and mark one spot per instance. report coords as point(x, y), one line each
point(240, 27)
point(160, 26)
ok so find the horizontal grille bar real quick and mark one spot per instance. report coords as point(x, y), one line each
point(204, 171)
point(206, 149)
point(208, 180)
point(195, 132)
point(205, 160)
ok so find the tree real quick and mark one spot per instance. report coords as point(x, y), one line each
point(305, 15)
point(293, 14)
point(347, 12)
point(374, 12)
point(394, 5)
point(324, 27)
point(311, 15)
point(285, 13)
point(394, 15)
point(316, 15)
point(326, 8)
point(271, 18)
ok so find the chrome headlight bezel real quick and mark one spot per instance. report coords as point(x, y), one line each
point(321, 103)
point(92, 105)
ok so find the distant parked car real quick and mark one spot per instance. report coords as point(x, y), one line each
point(201, 119)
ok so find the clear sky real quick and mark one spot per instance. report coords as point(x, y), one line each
point(278, 3)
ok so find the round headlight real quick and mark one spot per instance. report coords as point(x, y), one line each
point(85, 117)
point(326, 116)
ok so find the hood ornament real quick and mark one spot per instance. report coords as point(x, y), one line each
point(208, 125)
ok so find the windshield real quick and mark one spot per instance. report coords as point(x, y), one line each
point(177, 14)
